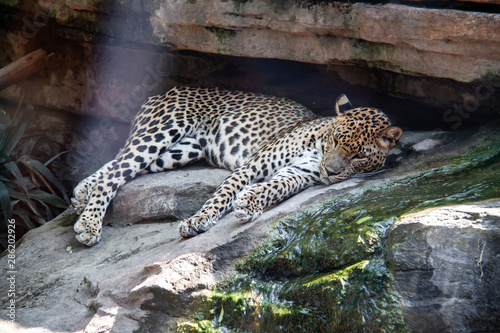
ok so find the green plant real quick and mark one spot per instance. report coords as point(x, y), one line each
point(30, 193)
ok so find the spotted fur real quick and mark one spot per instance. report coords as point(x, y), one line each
point(274, 147)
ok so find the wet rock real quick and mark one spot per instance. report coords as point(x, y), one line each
point(446, 265)
point(350, 288)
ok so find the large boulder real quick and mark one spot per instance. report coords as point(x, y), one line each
point(446, 264)
point(169, 196)
point(143, 277)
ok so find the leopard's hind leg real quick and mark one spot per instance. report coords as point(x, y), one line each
point(84, 189)
point(155, 158)
point(188, 150)
point(156, 138)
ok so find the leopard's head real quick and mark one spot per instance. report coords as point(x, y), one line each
point(359, 142)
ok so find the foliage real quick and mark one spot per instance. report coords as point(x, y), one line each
point(30, 192)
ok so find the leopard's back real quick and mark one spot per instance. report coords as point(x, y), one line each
point(229, 125)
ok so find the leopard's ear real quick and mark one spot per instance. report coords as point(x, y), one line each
point(389, 137)
point(342, 104)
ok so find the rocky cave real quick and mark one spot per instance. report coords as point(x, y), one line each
point(415, 248)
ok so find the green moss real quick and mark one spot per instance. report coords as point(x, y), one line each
point(492, 77)
point(324, 270)
point(223, 36)
point(254, 305)
point(328, 240)
point(238, 3)
point(368, 51)
point(202, 326)
point(357, 298)
point(352, 299)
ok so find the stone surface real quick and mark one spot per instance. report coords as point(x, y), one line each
point(446, 266)
point(106, 58)
point(143, 277)
point(170, 196)
point(436, 43)
point(420, 41)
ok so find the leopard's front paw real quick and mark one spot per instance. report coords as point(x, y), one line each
point(194, 225)
point(80, 225)
point(88, 238)
point(246, 206)
point(80, 198)
point(78, 205)
point(87, 234)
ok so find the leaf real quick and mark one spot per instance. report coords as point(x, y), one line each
point(69, 249)
point(363, 219)
point(44, 205)
point(42, 169)
point(16, 172)
point(221, 316)
point(17, 195)
point(55, 157)
point(3, 156)
point(20, 197)
point(25, 217)
point(17, 129)
point(38, 220)
point(27, 147)
point(23, 198)
point(49, 198)
point(17, 110)
point(6, 133)
point(5, 201)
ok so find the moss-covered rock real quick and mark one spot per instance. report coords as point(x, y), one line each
point(324, 270)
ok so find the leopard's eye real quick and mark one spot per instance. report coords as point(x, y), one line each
point(358, 156)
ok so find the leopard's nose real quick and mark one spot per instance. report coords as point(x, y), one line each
point(332, 173)
point(335, 165)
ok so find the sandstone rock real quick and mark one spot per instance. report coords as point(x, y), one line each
point(446, 265)
point(436, 43)
point(107, 58)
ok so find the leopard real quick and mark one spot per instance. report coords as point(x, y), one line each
point(273, 146)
